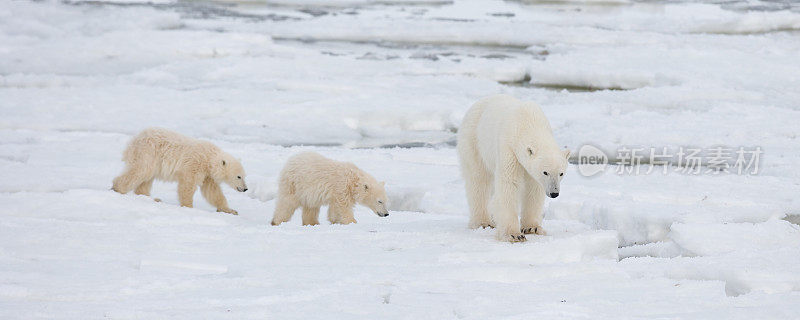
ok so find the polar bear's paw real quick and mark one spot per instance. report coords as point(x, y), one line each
point(228, 210)
point(514, 237)
point(483, 224)
point(534, 230)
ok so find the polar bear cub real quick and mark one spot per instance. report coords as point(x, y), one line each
point(158, 153)
point(310, 180)
point(509, 160)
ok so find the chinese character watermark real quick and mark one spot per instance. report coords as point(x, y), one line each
point(629, 160)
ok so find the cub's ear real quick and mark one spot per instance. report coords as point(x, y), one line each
point(223, 162)
point(566, 154)
point(366, 187)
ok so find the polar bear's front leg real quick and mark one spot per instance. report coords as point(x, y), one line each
point(503, 207)
point(186, 189)
point(532, 208)
point(344, 214)
point(144, 188)
point(310, 216)
point(333, 216)
point(213, 193)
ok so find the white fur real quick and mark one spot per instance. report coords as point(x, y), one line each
point(310, 180)
point(158, 153)
point(505, 145)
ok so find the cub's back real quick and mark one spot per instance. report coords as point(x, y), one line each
point(168, 152)
point(315, 178)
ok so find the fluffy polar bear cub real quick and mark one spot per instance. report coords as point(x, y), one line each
point(158, 153)
point(310, 180)
point(509, 161)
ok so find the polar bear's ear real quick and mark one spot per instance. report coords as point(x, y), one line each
point(566, 154)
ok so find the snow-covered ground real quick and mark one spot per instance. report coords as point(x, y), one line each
point(384, 84)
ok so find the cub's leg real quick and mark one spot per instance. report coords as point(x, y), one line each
point(134, 176)
point(213, 193)
point(284, 208)
point(344, 214)
point(532, 208)
point(186, 189)
point(504, 205)
point(310, 216)
point(144, 188)
point(333, 216)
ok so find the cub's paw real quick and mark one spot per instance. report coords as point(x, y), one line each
point(346, 221)
point(156, 199)
point(228, 210)
point(534, 230)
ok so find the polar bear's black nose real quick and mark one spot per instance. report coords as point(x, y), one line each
point(554, 194)
point(245, 189)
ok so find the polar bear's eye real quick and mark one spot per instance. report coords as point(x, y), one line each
point(545, 173)
point(561, 174)
point(380, 202)
point(530, 151)
point(238, 177)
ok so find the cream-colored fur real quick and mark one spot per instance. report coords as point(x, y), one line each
point(158, 153)
point(310, 180)
point(510, 161)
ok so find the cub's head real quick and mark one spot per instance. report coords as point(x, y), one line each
point(230, 171)
point(371, 194)
point(546, 167)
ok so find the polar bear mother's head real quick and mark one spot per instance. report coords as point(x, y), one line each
point(546, 166)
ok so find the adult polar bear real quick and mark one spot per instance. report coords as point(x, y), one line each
point(508, 155)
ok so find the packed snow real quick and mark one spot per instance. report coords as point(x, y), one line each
point(384, 84)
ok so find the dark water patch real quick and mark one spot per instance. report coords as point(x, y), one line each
point(334, 54)
point(424, 56)
point(750, 32)
point(497, 56)
point(389, 50)
point(572, 3)
point(526, 82)
point(739, 5)
point(314, 12)
point(574, 88)
point(732, 5)
point(793, 218)
point(310, 144)
point(192, 9)
point(453, 19)
point(352, 6)
point(404, 44)
point(416, 144)
point(377, 56)
point(502, 14)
